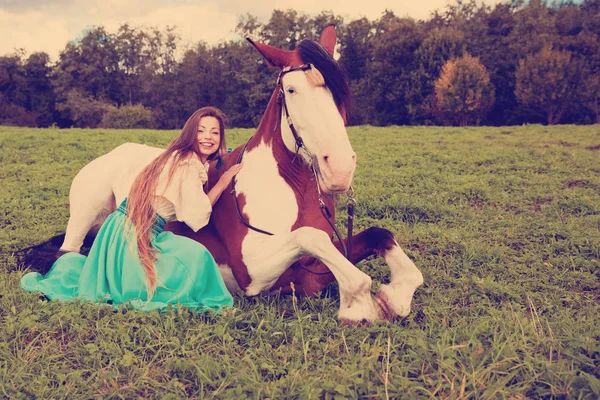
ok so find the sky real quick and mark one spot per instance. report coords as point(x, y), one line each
point(48, 25)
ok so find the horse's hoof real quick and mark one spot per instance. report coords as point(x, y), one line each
point(352, 322)
point(358, 315)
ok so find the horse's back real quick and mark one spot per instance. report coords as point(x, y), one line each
point(130, 159)
point(112, 173)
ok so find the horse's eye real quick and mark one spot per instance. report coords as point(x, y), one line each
point(291, 90)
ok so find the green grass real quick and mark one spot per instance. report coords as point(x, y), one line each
point(503, 222)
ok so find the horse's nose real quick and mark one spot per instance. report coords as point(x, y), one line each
point(326, 158)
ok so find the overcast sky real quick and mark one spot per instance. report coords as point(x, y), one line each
point(47, 25)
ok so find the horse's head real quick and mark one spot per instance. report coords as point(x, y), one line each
point(314, 97)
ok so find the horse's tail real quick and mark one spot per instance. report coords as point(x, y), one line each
point(40, 257)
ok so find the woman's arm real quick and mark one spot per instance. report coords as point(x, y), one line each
point(224, 181)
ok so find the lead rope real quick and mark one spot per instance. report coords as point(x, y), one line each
point(351, 202)
point(327, 214)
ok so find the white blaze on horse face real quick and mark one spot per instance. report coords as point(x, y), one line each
point(270, 205)
point(318, 122)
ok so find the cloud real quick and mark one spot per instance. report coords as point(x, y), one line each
point(48, 25)
point(348, 9)
point(193, 22)
point(32, 31)
point(51, 30)
point(31, 5)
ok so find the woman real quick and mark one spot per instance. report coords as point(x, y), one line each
point(132, 260)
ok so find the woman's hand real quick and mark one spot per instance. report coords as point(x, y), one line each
point(228, 175)
point(223, 182)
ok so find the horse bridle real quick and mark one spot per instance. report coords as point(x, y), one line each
point(300, 145)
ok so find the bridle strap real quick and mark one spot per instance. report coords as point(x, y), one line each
point(283, 103)
point(234, 194)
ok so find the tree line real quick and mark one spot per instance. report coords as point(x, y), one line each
point(469, 64)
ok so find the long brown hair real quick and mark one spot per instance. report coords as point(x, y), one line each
point(140, 213)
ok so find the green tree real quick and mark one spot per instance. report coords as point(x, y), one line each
point(585, 48)
point(88, 69)
point(246, 83)
point(26, 93)
point(314, 25)
point(549, 83)
point(39, 89)
point(285, 29)
point(534, 28)
point(83, 111)
point(355, 48)
point(463, 91)
point(590, 10)
point(501, 60)
point(383, 92)
point(356, 54)
point(249, 26)
point(439, 46)
point(569, 20)
point(13, 95)
point(92, 66)
point(135, 59)
point(199, 78)
point(129, 117)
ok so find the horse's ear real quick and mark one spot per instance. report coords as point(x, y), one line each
point(274, 56)
point(328, 38)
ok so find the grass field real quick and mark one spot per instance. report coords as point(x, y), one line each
point(503, 222)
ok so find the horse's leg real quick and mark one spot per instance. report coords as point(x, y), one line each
point(310, 276)
point(393, 299)
point(90, 203)
point(270, 257)
point(81, 222)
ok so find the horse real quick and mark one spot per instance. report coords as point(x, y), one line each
point(272, 234)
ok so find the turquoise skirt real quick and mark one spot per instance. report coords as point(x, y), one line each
point(112, 272)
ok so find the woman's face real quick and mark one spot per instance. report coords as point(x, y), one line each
point(209, 137)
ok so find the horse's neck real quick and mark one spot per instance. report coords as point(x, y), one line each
point(275, 189)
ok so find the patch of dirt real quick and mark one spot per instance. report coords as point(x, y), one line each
point(578, 184)
point(517, 246)
point(537, 206)
point(594, 148)
point(477, 204)
point(566, 144)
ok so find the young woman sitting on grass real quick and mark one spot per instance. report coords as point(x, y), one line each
point(132, 260)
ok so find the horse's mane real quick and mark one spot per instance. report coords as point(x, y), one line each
point(335, 79)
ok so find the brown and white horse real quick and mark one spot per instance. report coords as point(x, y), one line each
point(300, 150)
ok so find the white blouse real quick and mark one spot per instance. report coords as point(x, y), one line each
point(184, 199)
